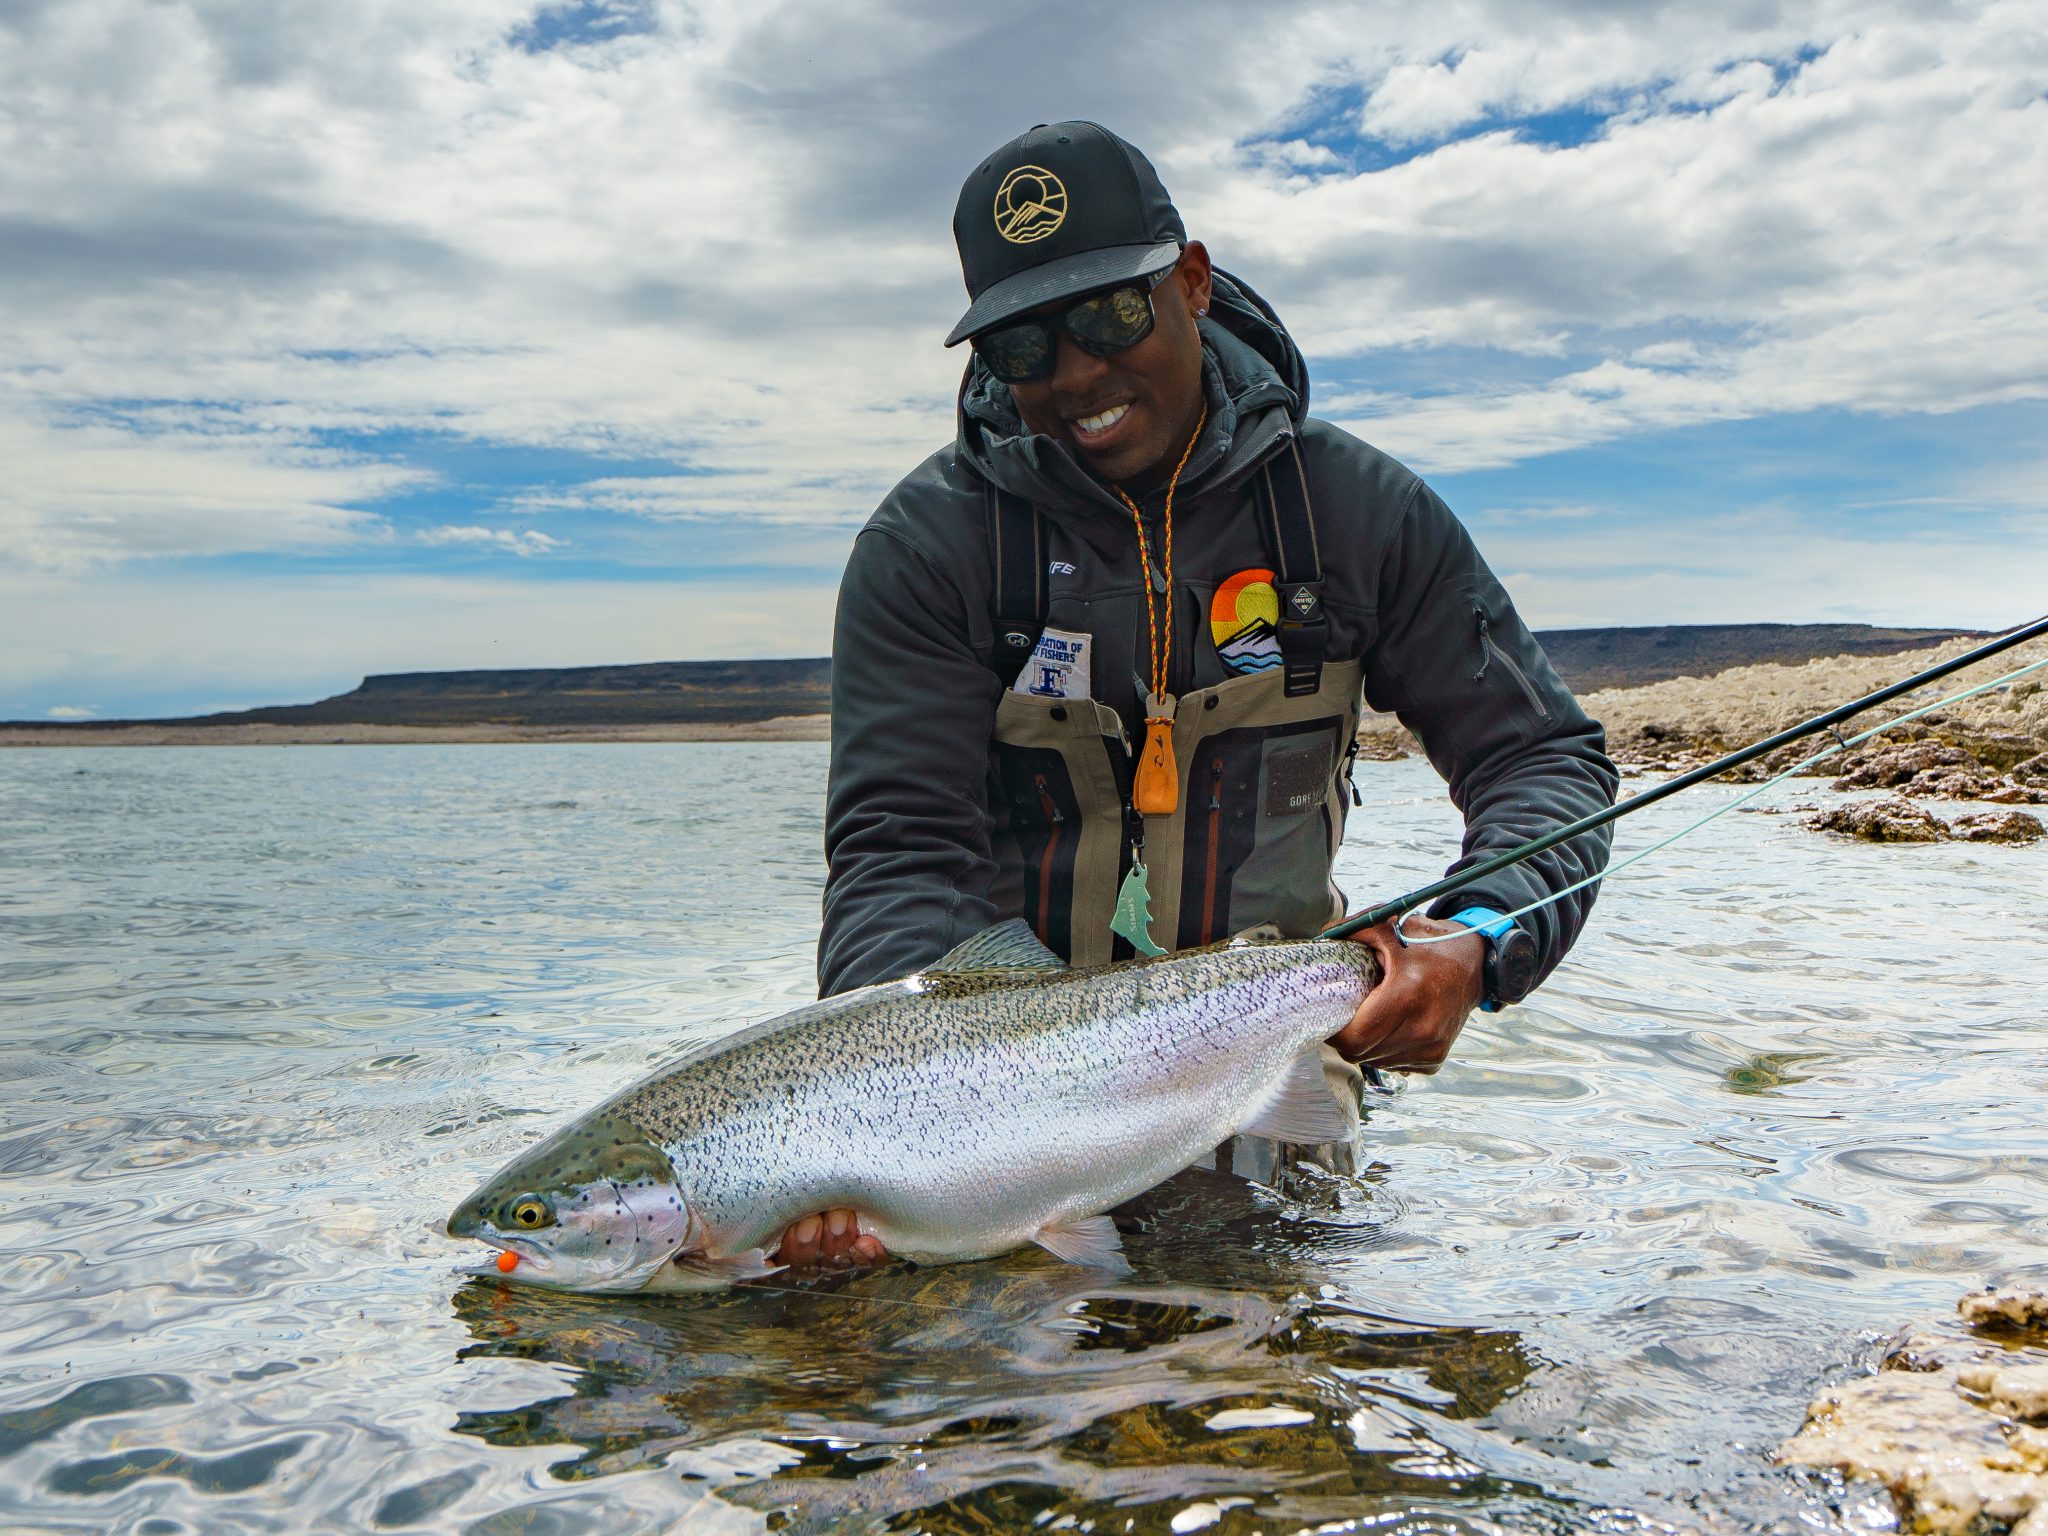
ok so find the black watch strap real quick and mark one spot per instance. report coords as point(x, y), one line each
point(1510, 966)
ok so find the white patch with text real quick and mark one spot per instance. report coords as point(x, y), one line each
point(1058, 668)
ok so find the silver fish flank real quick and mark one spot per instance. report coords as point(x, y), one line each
point(994, 1100)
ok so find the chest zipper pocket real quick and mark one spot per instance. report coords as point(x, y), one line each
point(1490, 651)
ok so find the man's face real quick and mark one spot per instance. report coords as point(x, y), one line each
point(1129, 416)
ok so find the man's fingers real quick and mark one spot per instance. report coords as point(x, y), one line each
point(800, 1243)
point(833, 1238)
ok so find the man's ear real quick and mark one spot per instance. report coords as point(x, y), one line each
point(1194, 276)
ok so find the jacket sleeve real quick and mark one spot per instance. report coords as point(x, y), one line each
point(909, 868)
point(1452, 658)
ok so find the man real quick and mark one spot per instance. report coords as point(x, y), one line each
point(1098, 662)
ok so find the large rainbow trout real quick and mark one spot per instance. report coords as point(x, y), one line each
point(996, 1099)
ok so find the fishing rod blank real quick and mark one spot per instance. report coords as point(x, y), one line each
point(1600, 818)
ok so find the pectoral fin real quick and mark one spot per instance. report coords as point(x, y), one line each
point(700, 1272)
point(1302, 1108)
point(1091, 1241)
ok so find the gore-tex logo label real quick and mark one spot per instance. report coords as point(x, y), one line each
point(1297, 777)
point(1303, 600)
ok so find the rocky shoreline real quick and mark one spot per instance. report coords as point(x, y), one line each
point(1989, 750)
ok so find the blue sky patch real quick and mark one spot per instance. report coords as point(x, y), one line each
point(578, 23)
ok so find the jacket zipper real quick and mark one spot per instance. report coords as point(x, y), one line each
point(1490, 650)
point(1215, 832)
point(1055, 824)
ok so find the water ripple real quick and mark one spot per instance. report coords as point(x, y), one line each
point(264, 1015)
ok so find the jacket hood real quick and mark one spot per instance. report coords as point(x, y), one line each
point(1252, 372)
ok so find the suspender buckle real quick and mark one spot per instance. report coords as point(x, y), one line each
point(1298, 578)
point(1301, 637)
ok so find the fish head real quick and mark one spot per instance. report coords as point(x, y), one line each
point(595, 1207)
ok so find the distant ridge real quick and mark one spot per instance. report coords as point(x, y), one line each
point(738, 692)
point(1590, 659)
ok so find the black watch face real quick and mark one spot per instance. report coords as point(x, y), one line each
point(1514, 967)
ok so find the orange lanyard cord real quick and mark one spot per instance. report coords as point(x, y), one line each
point(1161, 656)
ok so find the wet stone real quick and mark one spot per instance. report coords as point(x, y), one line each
point(1887, 767)
point(1944, 1425)
point(1881, 821)
point(2005, 1308)
point(1996, 827)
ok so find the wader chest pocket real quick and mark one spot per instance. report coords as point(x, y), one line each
point(1060, 794)
point(1298, 776)
point(1260, 830)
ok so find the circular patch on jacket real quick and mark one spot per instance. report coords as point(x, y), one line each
point(1244, 621)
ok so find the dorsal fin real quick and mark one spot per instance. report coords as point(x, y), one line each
point(1010, 946)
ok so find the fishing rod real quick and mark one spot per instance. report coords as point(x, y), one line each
point(1401, 905)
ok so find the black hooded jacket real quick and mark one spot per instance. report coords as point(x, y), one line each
point(913, 815)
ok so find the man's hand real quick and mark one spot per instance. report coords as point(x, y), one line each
point(831, 1241)
point(1426, 991)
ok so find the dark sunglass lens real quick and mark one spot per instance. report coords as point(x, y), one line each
point(1017, 354)
point(1111, 321)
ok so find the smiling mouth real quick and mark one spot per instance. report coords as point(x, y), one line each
point(1087, 427)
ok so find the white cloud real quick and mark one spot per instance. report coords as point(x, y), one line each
point(84, 495)
point(524, 541)
point(663, 241)
point(70, 712)
point(1758, 565)
point(715, 236)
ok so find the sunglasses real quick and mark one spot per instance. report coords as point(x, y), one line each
point(1101, 324)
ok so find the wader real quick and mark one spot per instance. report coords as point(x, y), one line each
point(1264, 761)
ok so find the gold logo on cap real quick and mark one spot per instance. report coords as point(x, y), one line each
point(1030, 204)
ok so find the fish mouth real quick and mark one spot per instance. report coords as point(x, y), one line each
point(532, 1268)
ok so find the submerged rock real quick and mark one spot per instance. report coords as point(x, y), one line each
point(1890, 820)
point(1996, 827)
point(2008, 1308)
point(1956, 1427)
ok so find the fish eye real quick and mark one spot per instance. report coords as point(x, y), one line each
point(528, 1212)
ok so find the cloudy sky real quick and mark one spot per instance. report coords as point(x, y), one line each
point(372, 335)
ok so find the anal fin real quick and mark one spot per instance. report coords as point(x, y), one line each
point(1303, 1107)
point(1091, 1241)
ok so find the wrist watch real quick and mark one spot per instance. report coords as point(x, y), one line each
point(1510, 973)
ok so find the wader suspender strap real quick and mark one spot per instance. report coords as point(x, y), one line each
point(1298, 571)
point(1017, 538)
point(1018, 542)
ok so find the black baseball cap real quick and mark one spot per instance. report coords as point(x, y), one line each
point(1063, 209)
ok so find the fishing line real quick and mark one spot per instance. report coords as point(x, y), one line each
point(1838, 745)
point(896, 1301)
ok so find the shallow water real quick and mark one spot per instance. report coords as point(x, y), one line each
point(265, 1014)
